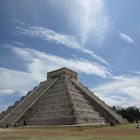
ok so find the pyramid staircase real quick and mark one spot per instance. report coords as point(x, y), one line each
point(11, 116)
point(61, 100)
point(103, 108)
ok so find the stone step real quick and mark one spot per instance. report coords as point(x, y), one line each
point(55, 106)
point(79, 101)
point(87, 114)
point(56, 100)
point(90, 120)
point(53, 113)
point(86, 110)
point(99, 102)
point(59, 85)
point(53, 90)
point(73, 90)
point(70, 85)
point(50, 96)
point(63, 120)
point(77, 94)
point(55, 94)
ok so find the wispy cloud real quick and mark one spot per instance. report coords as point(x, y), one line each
point(89, 17)
point(122, 90)
point(59, 38)
point(86, 17)
point(41, 62)
point(12, 81)
point(126, 37)
point(3, 107)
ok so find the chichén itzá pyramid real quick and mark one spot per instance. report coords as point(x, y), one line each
point(60, 100)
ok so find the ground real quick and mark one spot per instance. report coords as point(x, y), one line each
point(122, 132)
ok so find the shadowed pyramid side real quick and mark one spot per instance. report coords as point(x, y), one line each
point(99, 105)
point(84, 111)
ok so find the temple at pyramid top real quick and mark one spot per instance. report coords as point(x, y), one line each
point(60, 100)
point(63, 72)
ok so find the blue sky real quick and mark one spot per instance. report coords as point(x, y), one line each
point(99, 39)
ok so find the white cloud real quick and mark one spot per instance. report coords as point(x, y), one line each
point(126, 38)
point(59, 38)
point(122, 90)
point(16, 83)
point(86, 17)
point(3, 107)
point(12, 81)
point(40, 62)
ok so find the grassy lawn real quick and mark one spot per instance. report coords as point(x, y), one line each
point(120, 132)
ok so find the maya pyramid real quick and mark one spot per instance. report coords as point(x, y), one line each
point(60, 100)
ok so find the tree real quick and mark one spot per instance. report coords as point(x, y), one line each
point(130, 113)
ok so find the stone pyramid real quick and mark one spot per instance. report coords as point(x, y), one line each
point(60, 100)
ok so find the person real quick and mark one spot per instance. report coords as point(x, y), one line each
point(112, 123)
point(6, 125)
point(138, 126)
point(24, 122)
